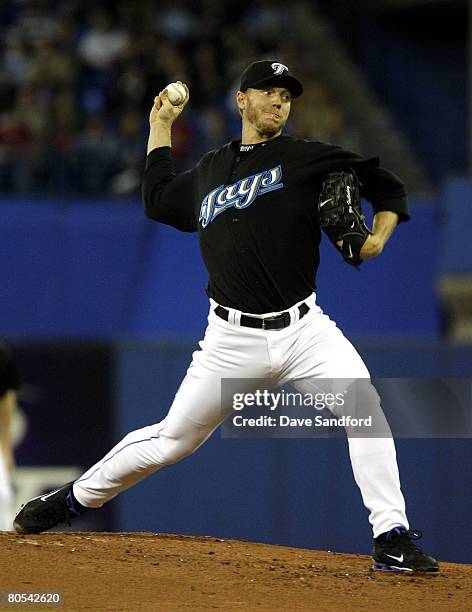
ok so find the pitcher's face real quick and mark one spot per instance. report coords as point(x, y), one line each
point(266, 109)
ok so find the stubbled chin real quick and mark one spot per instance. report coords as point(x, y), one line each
point(270, 128)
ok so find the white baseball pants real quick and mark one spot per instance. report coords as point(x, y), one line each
point(310, 348)
point(7, 511)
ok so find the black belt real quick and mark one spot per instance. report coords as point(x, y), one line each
point(278, 322)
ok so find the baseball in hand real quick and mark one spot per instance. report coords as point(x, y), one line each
point(176, 93)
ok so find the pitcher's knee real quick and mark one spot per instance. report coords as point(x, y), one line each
point(171, 450)
point(145, 433)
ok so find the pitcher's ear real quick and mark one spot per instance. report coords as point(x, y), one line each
point(241, 100)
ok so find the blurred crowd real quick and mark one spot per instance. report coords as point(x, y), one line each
point(78, 78)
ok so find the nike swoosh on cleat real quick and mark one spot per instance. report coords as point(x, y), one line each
point(399, 559)
point(44, 497)
point(325, 202)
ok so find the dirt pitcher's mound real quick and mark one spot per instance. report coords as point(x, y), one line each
point(153, 572)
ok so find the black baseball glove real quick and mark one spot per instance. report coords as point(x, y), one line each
point(340, 214)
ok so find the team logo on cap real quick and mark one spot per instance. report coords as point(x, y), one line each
point(278, 68)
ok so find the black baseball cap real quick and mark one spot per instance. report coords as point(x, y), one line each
point(270, 72)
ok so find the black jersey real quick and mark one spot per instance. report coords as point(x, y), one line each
point(8, 374)
point(254, 207)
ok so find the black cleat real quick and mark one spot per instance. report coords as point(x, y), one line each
point(394, 551)
point(46, 511)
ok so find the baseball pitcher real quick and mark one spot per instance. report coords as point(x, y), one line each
point(259, 205)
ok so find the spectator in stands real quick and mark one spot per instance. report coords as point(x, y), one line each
point(102, 43)
point(28, 135)
point(213, 128)
point(130, 88)
point(94, 156)
point(130, 155)
point(86, 72)
point(177, 21)
point(325, 122)
point(209, 82)
point(16, 58)
point(63, 122)
point(50, 66)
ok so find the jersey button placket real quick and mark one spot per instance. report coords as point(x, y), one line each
point(235, 220)
point(234, 173)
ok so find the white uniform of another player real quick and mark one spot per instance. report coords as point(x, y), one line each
point(8, 385)
point(6, 497)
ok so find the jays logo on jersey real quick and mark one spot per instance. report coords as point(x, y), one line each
point(240, 195)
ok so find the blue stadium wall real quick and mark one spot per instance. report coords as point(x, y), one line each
point(101, 270)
